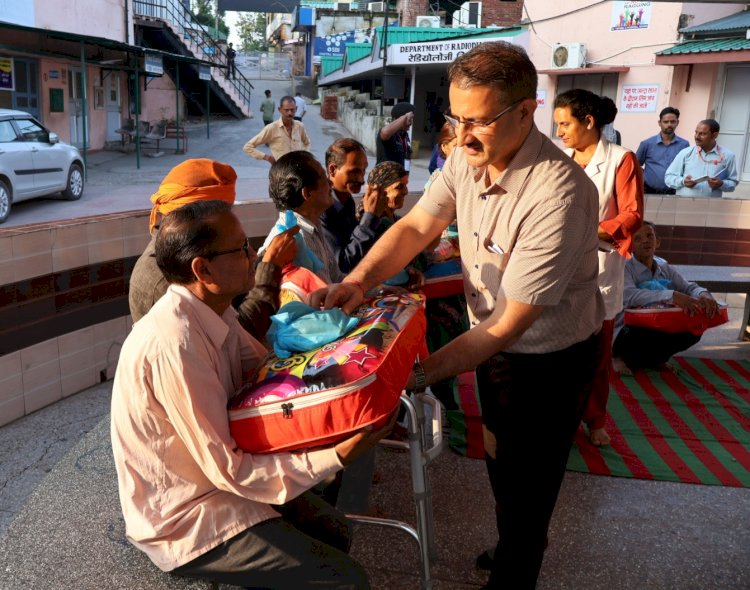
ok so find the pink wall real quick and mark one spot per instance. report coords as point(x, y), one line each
point(60, 122)
point(634, 49)
point(100, 18)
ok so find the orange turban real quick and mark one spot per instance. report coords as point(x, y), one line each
point(190, 181)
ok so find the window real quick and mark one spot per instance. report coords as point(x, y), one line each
point(7, 133)
point(31, 131)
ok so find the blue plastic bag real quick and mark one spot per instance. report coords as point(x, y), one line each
point(297, 327)
point(656, 284)
point(305, 258)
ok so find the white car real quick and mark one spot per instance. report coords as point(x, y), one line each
point(34, 162)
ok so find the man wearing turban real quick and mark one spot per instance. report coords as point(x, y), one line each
point(203, 179)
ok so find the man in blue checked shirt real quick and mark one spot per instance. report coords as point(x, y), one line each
point(705, 170)
point(656, 153)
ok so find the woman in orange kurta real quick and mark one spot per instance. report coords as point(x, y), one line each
point(580, 116)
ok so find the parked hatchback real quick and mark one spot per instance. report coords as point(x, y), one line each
point(34, 162)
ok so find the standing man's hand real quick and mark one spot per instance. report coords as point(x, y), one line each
point(374, 200)
point(347, 296)
point(715, 183)
point(270, 159)
point(688, 181)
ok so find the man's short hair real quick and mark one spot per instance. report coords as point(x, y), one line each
point(669, 111)
point(289, 175)
point(338, 151)
point(287, 98)
point(498, 64)
point(268, 93)
point(186, 233)
point(713, 125)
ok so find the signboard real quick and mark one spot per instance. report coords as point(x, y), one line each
point(441, 52)
point(154, 65)
point(639, 98)
point(334, 44)
point(204, 73)
point(630, 15)
point(541, 99)
point(7, 81)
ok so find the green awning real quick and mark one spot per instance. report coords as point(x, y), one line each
point(707, 46)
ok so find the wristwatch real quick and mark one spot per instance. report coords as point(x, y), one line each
point(420, 384)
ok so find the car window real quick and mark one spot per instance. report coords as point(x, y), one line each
point(7, 133)
point(32, 131)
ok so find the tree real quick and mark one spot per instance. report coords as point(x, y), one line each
point(252, 31)
point(204, 11)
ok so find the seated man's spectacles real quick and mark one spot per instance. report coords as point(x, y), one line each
point(246, 248)
point(477, 126)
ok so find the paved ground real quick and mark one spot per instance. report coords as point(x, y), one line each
point(611, 533)
point(115, 183)
point(606, 533)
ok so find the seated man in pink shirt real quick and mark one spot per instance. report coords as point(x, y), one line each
point(192, 501)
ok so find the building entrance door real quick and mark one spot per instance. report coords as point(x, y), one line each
point(75, 107)
point(112, 104)
point(735, 117)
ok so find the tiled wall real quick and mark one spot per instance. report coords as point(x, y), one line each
point(63, 290)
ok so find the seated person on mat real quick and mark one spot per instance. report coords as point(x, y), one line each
point(650, 280)
point(192, 501)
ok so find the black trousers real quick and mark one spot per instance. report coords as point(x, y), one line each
point(650, 190)
point(305, 548)
point(641, 348)
point(532, 405)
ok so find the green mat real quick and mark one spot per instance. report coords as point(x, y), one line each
point(690, 426)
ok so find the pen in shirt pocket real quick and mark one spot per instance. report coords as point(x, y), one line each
point(493, 247)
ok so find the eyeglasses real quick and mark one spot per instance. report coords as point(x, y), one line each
point(478, 126)
point(246, 248)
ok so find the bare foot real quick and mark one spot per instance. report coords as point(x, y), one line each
point(619, 366)
point(599, 437)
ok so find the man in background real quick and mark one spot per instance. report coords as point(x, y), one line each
point(231, 68)
point(267, 107)
point(350, 240)
point(393, 142)
point(656, 153)
point(301, 106)
point(282, 136)
point(706, 170)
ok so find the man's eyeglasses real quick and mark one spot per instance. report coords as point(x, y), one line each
point(246, 248)
point(478, 126)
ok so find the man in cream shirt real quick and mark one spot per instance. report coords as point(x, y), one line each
point(282, 136)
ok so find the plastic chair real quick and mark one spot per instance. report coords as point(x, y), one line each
point(423, 445)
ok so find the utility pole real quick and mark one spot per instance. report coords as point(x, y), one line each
point(385, 55)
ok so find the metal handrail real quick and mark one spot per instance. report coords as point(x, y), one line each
point(175, 13)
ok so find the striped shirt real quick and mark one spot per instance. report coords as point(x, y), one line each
point(531, 236)
point(314, 239)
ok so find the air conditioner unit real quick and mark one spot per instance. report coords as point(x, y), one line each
point(568, 56)
point(343, 6)
point(376, 6)
point(428, 22)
